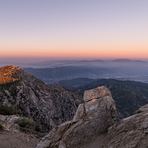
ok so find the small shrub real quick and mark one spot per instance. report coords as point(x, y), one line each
point(38, 128)
point(26, 124)
point(1, 127)
point(8, 110)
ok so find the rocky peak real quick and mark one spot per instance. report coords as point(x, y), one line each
point(95, 100)
point(96, 93)
point(93, 117)
point(10, 74)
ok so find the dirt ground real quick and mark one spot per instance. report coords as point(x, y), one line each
point(17, 140)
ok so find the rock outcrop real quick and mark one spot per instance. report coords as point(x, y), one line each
point(128, 95)
point(93, 117)
point(46, 105)
point(94, 126)
point(9, 123)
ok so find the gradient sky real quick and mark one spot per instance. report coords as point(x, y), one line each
point(74, 28)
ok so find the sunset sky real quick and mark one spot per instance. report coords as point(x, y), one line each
point(74, 28)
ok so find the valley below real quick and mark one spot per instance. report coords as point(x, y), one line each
point(122, 69)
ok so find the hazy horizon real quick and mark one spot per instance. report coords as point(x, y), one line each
point(73, 62)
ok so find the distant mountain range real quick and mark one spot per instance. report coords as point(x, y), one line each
point(83, 62)
point(129, 60)
point(46, 63)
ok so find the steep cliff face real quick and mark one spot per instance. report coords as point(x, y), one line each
point(93, 117)
point(48, 106)
point(96, 125)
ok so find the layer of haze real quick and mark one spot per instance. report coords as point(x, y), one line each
point(74, 28)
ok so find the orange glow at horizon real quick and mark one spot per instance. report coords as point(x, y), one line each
point(98, 51)
point(81, 54)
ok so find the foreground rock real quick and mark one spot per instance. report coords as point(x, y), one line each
point(92, 119)
point(131, 132)
point(30, 97)
point(94, 126)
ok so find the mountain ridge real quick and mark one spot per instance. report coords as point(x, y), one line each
point(31, 97)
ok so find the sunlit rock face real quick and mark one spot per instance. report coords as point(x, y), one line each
point(93, 117)
point(10, 74)
point(96, 93)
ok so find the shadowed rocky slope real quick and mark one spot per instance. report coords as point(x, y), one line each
point(47, 106)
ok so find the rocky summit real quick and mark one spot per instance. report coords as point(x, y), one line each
point(10, 74)
point(22, 93)
point(96, 125)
